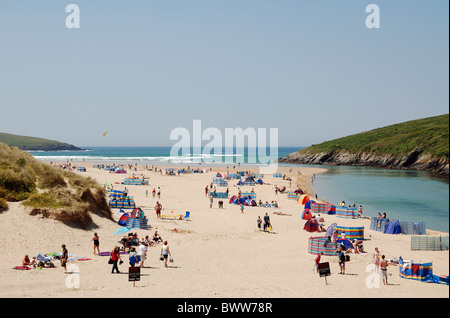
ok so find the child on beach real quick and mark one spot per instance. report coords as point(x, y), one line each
point(317, 261)
point(341, 258)
point(259, 222)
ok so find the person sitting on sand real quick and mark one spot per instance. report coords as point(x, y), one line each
point(26, 262)
point(156, 237)
point(335, 236)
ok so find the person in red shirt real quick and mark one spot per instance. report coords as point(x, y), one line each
point(115, 258)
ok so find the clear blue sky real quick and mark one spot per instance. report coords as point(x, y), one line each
point(138, 69)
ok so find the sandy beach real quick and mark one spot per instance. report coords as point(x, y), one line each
point(217, 253)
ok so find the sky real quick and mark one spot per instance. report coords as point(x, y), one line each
point(140, 69)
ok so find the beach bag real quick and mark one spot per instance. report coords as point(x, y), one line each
point(161, 258)
point(170, 259)
point(347, 258)
point(110, 261)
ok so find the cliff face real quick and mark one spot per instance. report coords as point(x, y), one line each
point(416, 160)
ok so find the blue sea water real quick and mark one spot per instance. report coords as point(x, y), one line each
point(404, 195)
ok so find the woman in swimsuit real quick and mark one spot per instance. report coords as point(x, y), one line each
point(376, 260)
point(96, 241)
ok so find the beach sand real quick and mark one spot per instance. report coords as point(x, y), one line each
point(218, 253)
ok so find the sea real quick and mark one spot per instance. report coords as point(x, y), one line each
point(404, 195)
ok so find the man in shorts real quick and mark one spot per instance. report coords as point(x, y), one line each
point(64, 257)
point(383, 265)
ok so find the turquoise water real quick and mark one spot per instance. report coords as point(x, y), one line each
point(410, 196)
point(404, 195)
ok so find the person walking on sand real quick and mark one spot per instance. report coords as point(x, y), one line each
point(383, 265)
point(211, 200)
point(266, 222)
point(142, 252)
point(242, 208)
point(259, 222)
point(115, 258)
point(165, 252)
point(64, 257)
point(159, 193)
point(96, 241)
point(153, 192)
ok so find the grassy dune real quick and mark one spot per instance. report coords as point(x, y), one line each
point(49, 191)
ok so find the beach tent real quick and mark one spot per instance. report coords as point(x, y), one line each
point(306, 215)
point(393, 227)
point(232, 199)
point(311, 226)
point(308, 205)
point(332, 210)
point(248, 202)
point(303, 199)
point(346, 242)
point(123, 219)
point(218, 175)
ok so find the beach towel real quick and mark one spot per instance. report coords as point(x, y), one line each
point(108, 253)
point(122, 230)
point(21, 268)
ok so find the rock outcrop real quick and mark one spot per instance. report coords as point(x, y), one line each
point(416, 160)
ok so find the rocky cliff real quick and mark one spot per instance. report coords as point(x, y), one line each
point(415, 160)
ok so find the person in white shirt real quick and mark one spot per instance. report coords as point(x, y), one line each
point(142, 252)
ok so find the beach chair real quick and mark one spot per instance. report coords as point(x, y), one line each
point(187, 216)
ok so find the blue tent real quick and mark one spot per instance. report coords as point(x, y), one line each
point(393, 227)
point(346, 242)
point(308, 204)
point(123, 219)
